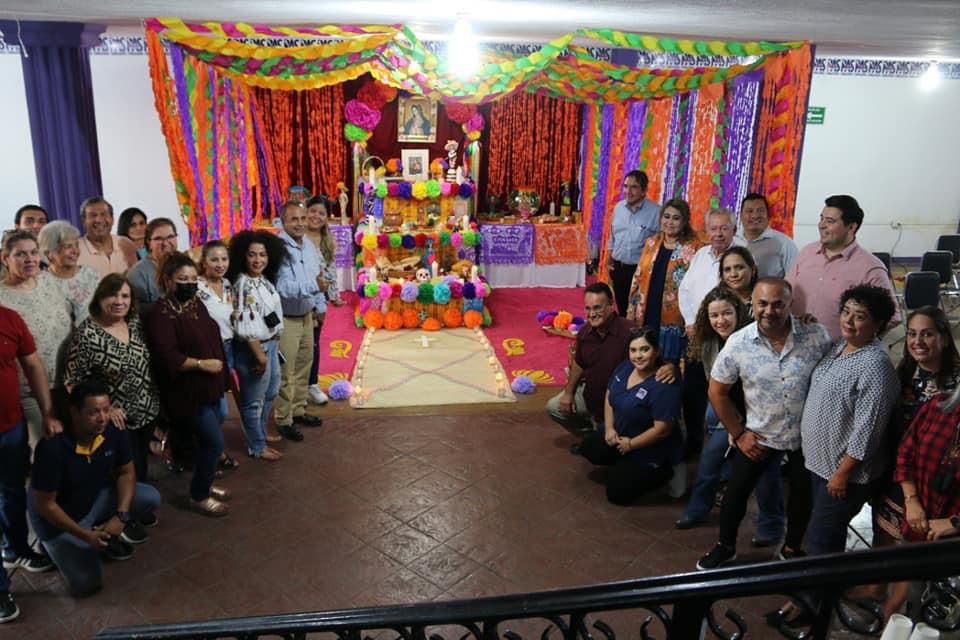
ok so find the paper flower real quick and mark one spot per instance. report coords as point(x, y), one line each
point(395, 289)
point(431, 324)
point(542, 314)
point(562, 320)
point(382, 190)
point(441, 293)
point(358, 238)
point(471, 238)
point(473, 135)
point(369, 242)
point(408, 242)
point(456, 239)
point(383, 241)
point(353, 133)
point(459, 113)
point(446, 188)
point(364, 305)
point(425, 293)
point(371, 290)
point(452, 318)
point(548, 320)
point(340, 390)
point(523, 384)
point(483, 290)
point(475, 123)
point(456, 290)
point(373, 319)
point(404, 190)
point(411, 319)
point(419, 190)
point(392, 321)
point(361, 115)
point(474, 304)
point(389, 93)
point(393, 189)
point(409, 291)
point(445, 237)
point(465, 190)
point(487, 318)
point(394, 165)
point(438, 165)
point(421, 240)
point(433, 189)
point(372, 96)
point(395, 240)
point(469, 291)
point(472, 319)
point(385, 291)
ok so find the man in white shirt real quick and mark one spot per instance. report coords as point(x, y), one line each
point(772, 250)
point(702, 276)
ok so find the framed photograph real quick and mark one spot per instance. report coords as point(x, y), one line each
point(416, 164)
point(416, 119)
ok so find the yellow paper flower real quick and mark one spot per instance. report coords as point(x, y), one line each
point(419, 192)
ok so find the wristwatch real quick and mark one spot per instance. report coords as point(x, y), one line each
point(124, 517)
point(955, 522)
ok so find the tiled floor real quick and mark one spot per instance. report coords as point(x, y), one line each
point(379, 509)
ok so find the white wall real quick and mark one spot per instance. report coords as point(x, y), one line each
point(892, 146)
point(18, 180)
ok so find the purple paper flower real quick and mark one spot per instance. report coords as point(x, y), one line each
point(409, 291)
point(523, 384)
point(405, 190)
point(341, 390)
point(465, 190)
point(361, 115)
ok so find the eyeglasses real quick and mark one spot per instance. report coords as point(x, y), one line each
point(596, 308)
point(163, 239)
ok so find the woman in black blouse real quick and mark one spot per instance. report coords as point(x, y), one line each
point(189, 364)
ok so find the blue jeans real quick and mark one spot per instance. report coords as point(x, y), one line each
point(14, 465)
point(206, 429)
point(714, 468)
point(78, 561)
point(256, 393)
point(827, 532)
point(228, 354)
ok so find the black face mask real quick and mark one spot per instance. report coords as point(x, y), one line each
point(184, 291)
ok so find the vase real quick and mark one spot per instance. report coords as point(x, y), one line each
point(525, 202)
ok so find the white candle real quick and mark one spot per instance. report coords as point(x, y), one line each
point(465, 223)
point(434, 269)
point(499, 377)
point(492, 360)
point(474, 272)
point(372, 274)
point(553, 208)
point(459, 175)
point(372, 176)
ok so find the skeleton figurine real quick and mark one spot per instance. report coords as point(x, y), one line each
point(451, 149)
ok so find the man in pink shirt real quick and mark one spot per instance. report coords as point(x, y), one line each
point(824, 270)
point(100, 249)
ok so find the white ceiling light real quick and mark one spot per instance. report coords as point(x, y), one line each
point(463, 55)
point(930, 79)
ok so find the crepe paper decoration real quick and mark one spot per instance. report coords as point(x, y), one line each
point(353, 133)
point(396, 240)
point(373, 319)
point(340, 390)
point(452, 318)
point(471, 238)
point(393, 189)
point(372, 95)
point(411, 319)
point(425, 293)
point(456, 290)
point(458, 112)
point(385, 291)
point(441, 293)
point(706, 121)
point(394, 166)
point(381, 190)
point(432, 189)
point(409, 292)
point(419, 190)
point(465, 190)
point(562, 320)
point(361, 114)
point(371, 290)
point(560, 244)
point(472, 319)
point(523, 385)
point(431, 324)
point(743, 133)
point(657, 44)
point(392, 321)
point(409, 242)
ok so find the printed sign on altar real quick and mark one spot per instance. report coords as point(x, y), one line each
point(506, 243)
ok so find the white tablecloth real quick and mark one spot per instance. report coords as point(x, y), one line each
point(346, 278)
point(534, 275)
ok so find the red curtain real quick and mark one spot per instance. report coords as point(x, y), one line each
point(533, 143)
point(305, 132)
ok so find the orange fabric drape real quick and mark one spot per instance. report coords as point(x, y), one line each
point(305, 132)
point(654, 156)
point(615, 175)
point(533, 143)
point(700, 182)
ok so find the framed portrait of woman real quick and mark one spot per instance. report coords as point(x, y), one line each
point(416, 164)
point(416, 119)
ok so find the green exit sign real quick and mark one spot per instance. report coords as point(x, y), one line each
point(816, 115)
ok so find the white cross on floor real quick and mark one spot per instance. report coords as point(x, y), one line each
point(424, 340)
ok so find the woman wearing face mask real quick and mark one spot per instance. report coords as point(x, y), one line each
point(738, 272)
point(721, 313)
point(663, 262)
point(640, 440)
point(189, 362)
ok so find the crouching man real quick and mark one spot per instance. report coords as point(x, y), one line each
point(84, 499)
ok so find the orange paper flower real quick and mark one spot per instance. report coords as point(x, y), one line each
point(452, 318)
point(393, 321)
point(431, 324)
point(410, 318)
point(373, 319)
point(472, 319)
point(563, 320)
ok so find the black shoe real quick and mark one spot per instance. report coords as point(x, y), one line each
point(308, 421)
point(687, 523)
point(8, 608)
point(790, 554)
point(117, 549)
point(33, 562)
point(576, 449)
point(134, 533)
point(290, 432)
point(149, 520)
point(759, 542)
point(716, 557)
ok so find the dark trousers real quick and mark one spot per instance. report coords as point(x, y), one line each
point(315, 367)
point(745, 473)
point(830, 517)
point(622, 277)
point(694, 406)
point(630, 475)
point(140, 449)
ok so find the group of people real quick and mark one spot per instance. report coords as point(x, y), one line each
point(113, 347)
point(784, 377)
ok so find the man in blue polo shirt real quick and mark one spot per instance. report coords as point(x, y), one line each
point(84, 497)
point(634, 220)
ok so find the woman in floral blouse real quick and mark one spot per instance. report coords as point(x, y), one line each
point(663, 263)
point(60, 244)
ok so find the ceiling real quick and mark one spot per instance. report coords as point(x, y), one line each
point(924, 29)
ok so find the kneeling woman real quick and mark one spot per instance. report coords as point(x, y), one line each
point(641, 440)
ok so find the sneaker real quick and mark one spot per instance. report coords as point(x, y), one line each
point(790, 554)
point(34, 562)
point(149, 520)
point(8, 608)
point(117, 549)
point(316, 395)
point(134, 533)
point(716, 557)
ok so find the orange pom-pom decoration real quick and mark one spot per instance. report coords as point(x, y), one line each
point(410, 318)
point(392, 321)
point(452, 318)
point(472, 319)
point(563, 320)
point(431, 324)
point(373, 319)
point(389, 93)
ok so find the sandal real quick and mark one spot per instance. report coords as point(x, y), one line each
point(210, 507)
point(277, 438)
point(270, 454)
point(220, 493)
point(227, 462)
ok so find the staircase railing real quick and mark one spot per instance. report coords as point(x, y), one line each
point(680, 606)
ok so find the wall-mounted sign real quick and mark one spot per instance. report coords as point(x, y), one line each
point(816, 115)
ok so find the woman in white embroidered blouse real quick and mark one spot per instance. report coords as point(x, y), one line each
point(60, 244)
point(216, 293)
point(257, 322)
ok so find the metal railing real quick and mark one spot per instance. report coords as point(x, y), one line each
point(680, 606)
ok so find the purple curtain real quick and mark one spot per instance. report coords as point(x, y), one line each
point(56, 75)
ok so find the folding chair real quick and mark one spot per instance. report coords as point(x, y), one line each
point(950, 243)
point(920, 289)
point(940, 261)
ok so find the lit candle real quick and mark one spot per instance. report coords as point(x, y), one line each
point(434, 269)
point(474, 272)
